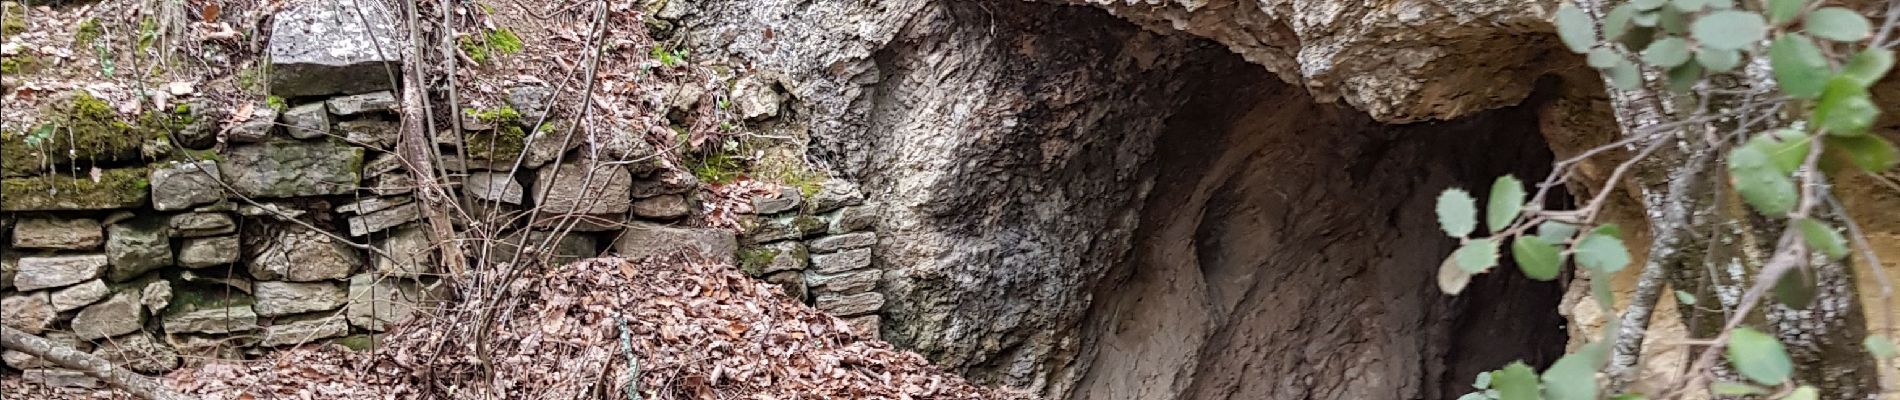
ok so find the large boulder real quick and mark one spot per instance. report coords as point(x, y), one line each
point(299, 254)
point(642, 239)
point(293, 168)
point(57, 233)
point(330, 47)
point(119, 315)
point(276, 298)
point(583, 188)
point(181, 185)
point(55, 271)
point(137, 245)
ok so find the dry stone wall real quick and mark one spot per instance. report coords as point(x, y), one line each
point(819, 250)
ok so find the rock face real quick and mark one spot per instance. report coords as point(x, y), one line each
point(290, 169)
point(583, 188)
point(285, 298)
point(116, 316)
point(322, 47)
point(28, 312)
point(136, 246)
point(55, 271)
point(299, 254)
point(643, 239)
point(213, 320)
point(57, 233)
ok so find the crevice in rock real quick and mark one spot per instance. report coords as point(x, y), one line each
point(1287, 248)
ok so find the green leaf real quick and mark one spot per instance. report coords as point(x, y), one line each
point(1625, 76)
point(1556, 232)
point(1762, 184)
point(1684, 77)
point(1784, 11)
point(1477, 255)
point(1575, 28)
point(1800, 68)
point(1823, 238)
point(1536, 257)
point(1837, 24)
point(1573, 377)
point(1721, 4)
point(1880, 346)
point(1718, 60)
point(1685, 298)
point(1637, 38)
point(1729, 30)
point(1845, 109)
point(1452, 279)
point(1669, 51)
point(1608, 229)
point(1867, 66)
point(1483, 382)
point(1603, 58)
point(1647, 5)
point(1457, 212)
point(1671, 20)
point(1795, 288)
point(1474, 396)
point(1647, 19)
point(1516, 382)
point(1617, 22)
point(1870, 153)
point(1689, 5)
point(1804, 392)
point(1759, 357)
point(1504, 204)
point(1736, 389)
point(1787, 149)
point(1629, 396)
point(1604, 254)
point(1606, 299)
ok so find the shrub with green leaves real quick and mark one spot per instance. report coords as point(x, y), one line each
point(1775, 92)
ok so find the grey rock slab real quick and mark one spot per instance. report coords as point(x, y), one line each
point(393, 184)
point(643, 239)
point(373, 204)
point(156, 295)
point(293, 168)
point(777, 256)
point(662, 207)
point(80, 295)
point(583, 188)
point(783, 227)
point(566, 249)
point(308, 121)
point(29, 312)
point(835, 243)
point(530, 101)
point(207, 119)
point(373, 102)
point(787, 199)
point(212, 320)
point(853, 219)
point(182, 185)
point(407, 252)
point(201, 224)
point(54, 271)
point(493, 186)
point(121, 314)
point(57, 233)
point(298, 254)
point(665, 182)
point(369, 132)
point(257, 129)
point(275, 298)
point(840, 262)
point(137, 245)
point(304, 330)
point(846, 305)
point(377, 303)
point(209, 251)
point(328, 47)
point(835, 194)
point(139, 352)
point(845, 283)
point(384, 219)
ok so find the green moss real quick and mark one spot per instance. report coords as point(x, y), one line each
point(251, 79)
point(15, 22)
point(808, 225)
point(116, 188)
point(20, 64)
point(88, 33)
point(276, 103)
point(489, 45)
point(79, 127)
point(753, 260)
point(718, 167)
point(506, 141)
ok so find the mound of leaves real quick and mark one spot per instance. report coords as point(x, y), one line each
point(688, 329)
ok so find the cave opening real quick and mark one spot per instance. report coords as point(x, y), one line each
point(1287, 250)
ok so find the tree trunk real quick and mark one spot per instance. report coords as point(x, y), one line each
point(69, 358)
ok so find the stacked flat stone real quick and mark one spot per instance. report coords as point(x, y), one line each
point(819, 250)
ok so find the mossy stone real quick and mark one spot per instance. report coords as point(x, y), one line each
point(115, 189)
point(78, 127)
